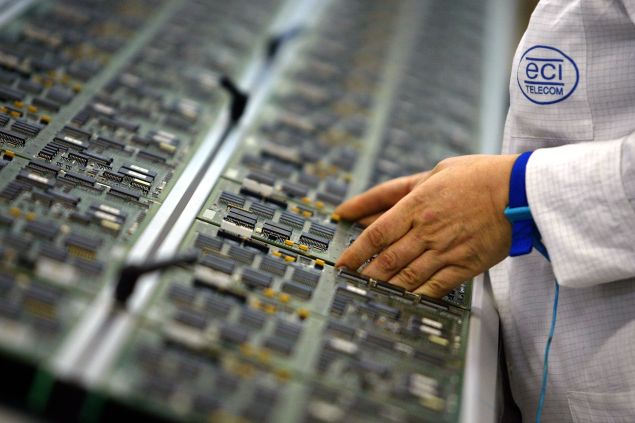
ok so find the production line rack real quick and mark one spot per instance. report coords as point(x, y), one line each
point(125, 142)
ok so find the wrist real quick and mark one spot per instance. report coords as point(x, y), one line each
point(503, 176)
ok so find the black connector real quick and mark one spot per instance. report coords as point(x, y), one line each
point(131, 273)
point(276, 41)
point(239, 99)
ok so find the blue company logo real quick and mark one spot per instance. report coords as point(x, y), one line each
point(546, 75)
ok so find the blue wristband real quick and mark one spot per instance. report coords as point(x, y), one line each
point(524, 231)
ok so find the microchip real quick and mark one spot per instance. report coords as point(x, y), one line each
point(323, 231)
point(217, 263)
point(231, 199)
point(206, 242)
point(241, 254)
point(124, 194)
point(297, 289)
point(241, 218)
point(306, 277)
point(314, 241)
point(276, 231)
point(11, 137)
point(294, 190)
point(255, 279)
point(44, 229)
point(291, 220)
point(261, 209)
point(273, 266)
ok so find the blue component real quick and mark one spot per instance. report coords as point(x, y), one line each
point(524, 230)
point(517, 214)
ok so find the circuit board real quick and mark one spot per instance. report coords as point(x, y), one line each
point(292, 338)
point(260, 325)
point(93, 139)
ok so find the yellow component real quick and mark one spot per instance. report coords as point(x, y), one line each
point(9, 154)
point(3, 109)
point(319, 205)
point(438, 340)
point(31, 108)
point(303, 247)
point(15, 114)
point(303, 313)
point(306, 200)
point(269, 308)
point(269, 292)
point(81, 252)
point(167, 147)
point(113, 226)
point(39, 308)
point(221, 415)
point(335, 217)
point(45, 119)
point(288, 242)
point(276, 253)
point(30, 216)
point(295, 209)
point(247, 349)
point(19, 104)
point(15, 212)
point(283, 297)
point(244, 370)
point(307, 213)
point(283, 374)
point(264, 355)
point(319, 263)
point(434, 403)
point(289, 258)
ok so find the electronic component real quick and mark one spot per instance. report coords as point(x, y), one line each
point(103, 108)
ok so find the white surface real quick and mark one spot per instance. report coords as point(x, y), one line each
point(481, 367)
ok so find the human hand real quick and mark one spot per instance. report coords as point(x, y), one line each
point(434, 230)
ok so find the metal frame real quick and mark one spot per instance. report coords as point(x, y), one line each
point(480, 402)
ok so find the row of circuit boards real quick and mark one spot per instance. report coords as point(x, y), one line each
point(94, 138)
point(102, 107)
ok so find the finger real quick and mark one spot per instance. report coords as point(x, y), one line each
point(375, 200)
point(418, 271)
point(367, 221)
point(391, 226)
point(444, 281)
point(397, 256)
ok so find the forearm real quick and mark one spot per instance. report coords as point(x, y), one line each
point(581, 199)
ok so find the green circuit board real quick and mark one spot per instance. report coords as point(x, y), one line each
point(102, 108)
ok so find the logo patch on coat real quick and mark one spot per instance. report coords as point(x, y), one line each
point(546, 75)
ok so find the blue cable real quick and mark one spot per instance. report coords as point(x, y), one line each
point(545, 365)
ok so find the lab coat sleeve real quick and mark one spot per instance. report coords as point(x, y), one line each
point(579, 197)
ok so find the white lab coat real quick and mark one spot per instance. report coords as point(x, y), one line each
point(572, 98)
